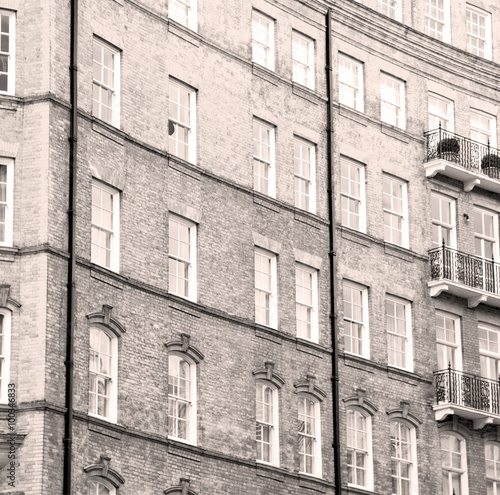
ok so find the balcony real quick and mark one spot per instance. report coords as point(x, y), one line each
point(473, 278)
point(458, 157)
point(468, 396)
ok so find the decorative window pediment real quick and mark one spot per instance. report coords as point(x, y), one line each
point(182, 489)
point(308, 386)
point(184, 346)
point(268, 374)
point(105, 318)
point(103, 470)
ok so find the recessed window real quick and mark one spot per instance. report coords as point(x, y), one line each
point(440, 113)
point(390, 8)
point(5, 332)
point(182, 121)
point(492, 458)
point(485, 233)
point(489, 351)
point(306, 289)
point(359, 449)
point(483, 128)
point(398, 325)
point(183, 12)
point(353, 194)
point(356, 334)
point(263, 158)
point(437, 19)
point(453, 464)
point(403, 459)
point(392, 101)
point(304, 177)
point(309, 436)
point(100, 488)
point(266, 427)
point(265, 288)
point(350, 82)
point(6, 201)
point(103, 374)
point(303, 59)
point(182, 257)
point(262, 40)
point(449, 351)
point(105, 226)
point(7, 51)
point(106, 85)
point(478, 32)
point(395, 205)
point(443, 221)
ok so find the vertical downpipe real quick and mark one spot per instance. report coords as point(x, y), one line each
point(70, 318)
point(332, 256)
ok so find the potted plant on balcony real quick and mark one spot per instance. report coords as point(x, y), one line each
point(449, 148)
point(490, 165)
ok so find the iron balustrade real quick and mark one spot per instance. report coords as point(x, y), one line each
point(468, 154)
point(465, 389)
point(473, 271)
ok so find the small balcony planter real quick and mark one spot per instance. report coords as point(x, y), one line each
point(449, 149)
point(490, 165)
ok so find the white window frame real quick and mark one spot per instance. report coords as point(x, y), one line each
point(190, 20)
point(443, 343)
point(491, 461)
point(273, 293)
point(175, 122)
point(262, 19)
point(11, 54)
point(472, 10)
point(350, 70)
point(431, 17)
point(441, 224)
point(392, 112)
point(488, 355)
point(489, 134)
point(115, 105)
point(349, 197)
point(365, 330)
point(191, 430)
point(483, 212)
point(462, 472)
point(446, 118)
point(367, 451)
point(115, 232)
point(308, 64)
point(413, 455)
point(100, 481)
point(9, 203)
point(258, 159)
point(6, 330)
point(300, 178)
point(391, 8)
point(192, 291)
point(315, 436)
point(394, 213)
point(113, 376)
point(408, 352)
point(312, 273)
point(274, 426)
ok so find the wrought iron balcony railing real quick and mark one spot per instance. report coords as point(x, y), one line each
point(467, 390)
point(472, 271)
point(464, 152)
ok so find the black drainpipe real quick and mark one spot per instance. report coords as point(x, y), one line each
point(332, 255)
point(70, 317)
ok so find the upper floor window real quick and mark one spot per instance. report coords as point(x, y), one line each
point(353, 194)
point(440, 113)
point(449, 351)
point(398, 324)
point(395, 204)
point(105, 226)
point(359, 449)
point(453, 464)
point(182, 121)
point(101, 488)
point(478, 32)
point(263, 158)
point(5, 332)
point(390, 8)
point(309, 435)
point(103, 372)
point(403, 459)
point(356, 334)
point(443, 220)
point(492, 457)
point(437, 19)
point(263, 40)
point(350, 82)
point(485, 233)
point(483, 128)
point(392, 101)
point(304, 178)
point(266, 291)
point(306, 289)
point(182, 257)
point(106, 85)
point(303, 59)
point(6, 201)
point(267, 431)
point(7, 51)
point(184, 12)
point(489, 351)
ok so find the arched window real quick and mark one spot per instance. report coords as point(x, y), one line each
point(359, 448)
point(100, 487)
point(403, 458)
point(266, 432)
point(309, 435)
point(492, 456)
point(453, 464)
